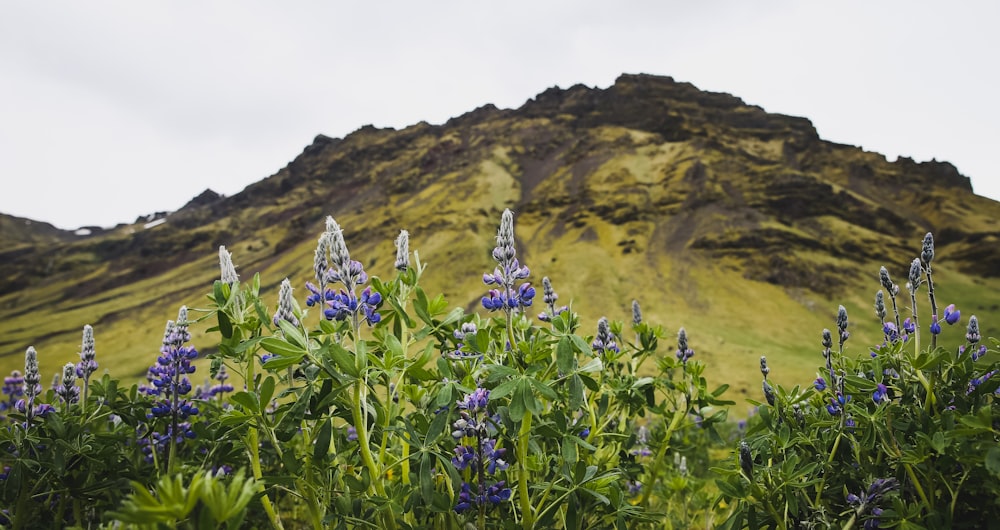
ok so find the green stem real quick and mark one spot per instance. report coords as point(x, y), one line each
point(829, 460)
point(662, 453)
point(361, 425)
point(527, 520)
point(916, 484)
point(253, 448)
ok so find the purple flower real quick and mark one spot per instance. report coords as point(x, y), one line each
point(87, 364)
point(604, 341)
point(683, 352)
point(908, 326)
point(820, 384)
point(286, 305)
point(972, 333)
point(880, 394)
point(952, 315)
point(508, 272)
point(979, 353)
point(890, 332)
point(352, 434)
point(585, 433)
point(935, 325)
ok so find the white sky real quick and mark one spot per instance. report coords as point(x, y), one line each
point(109, 110)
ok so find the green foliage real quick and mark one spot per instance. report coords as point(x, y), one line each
point(357, 419)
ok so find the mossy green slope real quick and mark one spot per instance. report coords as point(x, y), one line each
point(742, 226)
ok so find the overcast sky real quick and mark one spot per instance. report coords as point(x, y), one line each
point(110, 110)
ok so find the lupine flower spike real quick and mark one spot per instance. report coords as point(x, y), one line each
point(505, 297)
point(604, 342)
point(228, 270)
point(88, 361)
point(67, 389)
point(480, 459)
point(892, 290)
point(549, 296)
point(32, 383)
point(684, 353)
point(286, 305)
point(926, 257)
point(341, 268)
point(403, 251)
point(768, 390)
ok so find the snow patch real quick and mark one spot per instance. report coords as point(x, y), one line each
point(157, 222)
point(83, 232)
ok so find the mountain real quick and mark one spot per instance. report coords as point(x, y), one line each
point(742, 226)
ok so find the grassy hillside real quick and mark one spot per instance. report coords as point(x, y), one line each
point(742, 226)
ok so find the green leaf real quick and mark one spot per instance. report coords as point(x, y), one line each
point(344, 360)
point(282, 347)
point(517, 407)
point(225, 324)
point(564, 355)
point(993, 461)
point(280, 363)
point(420, 306)
point(247, 400)
point(322, 446)
point(503, 389)
point(436, 428)
point(266, 390)
point(576, 395)
point(581, 345)
point(569, 451)
point(595, 365)
point(292, 333)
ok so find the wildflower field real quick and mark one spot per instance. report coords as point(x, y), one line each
point(373, 404)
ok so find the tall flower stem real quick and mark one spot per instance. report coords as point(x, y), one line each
point(661, 455)
point(524, 435)
point(253, 447)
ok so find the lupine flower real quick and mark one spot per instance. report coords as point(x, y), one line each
point(636, 313)
point(170, 382)
point(768, 393)
point(820, 384)
point(584, 433)
point(352, 433)
point(221, 387)
point(683, 352)
point(13, 388)
point(880, 394)
point(549, 296)
point(880, 305)
point(88, 363)
point(842, 325)
point(972, 333)
point(974, 384)
point(634, 487)
point(927, 250)
point(799, 415)
point(952, 315)
point(320, 264)
point(764, 370)
point(914, 276)
point(908, 326)
point(746, 460)
point(604, 341)
point(479, 459)
point(642, 441)
point(228, 275)
point(935, 325)
point(886, 281)
point(507, 273)
point(67, 389)
point(979, 353)
point(286, 305)
point(402, 251)
point(32, 383)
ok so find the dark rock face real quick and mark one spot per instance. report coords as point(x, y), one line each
point(648, 155)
